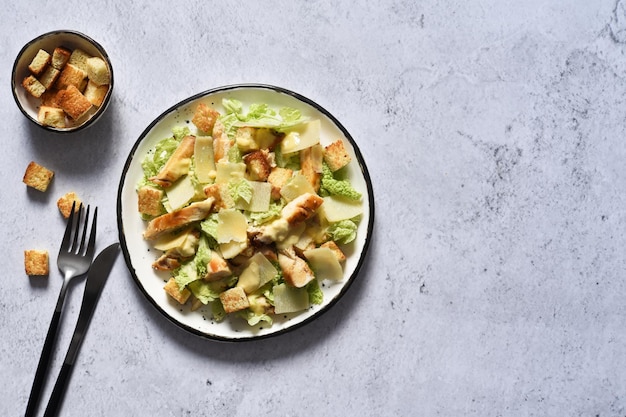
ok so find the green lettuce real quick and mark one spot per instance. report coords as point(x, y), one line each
point(259, 115)
point(209, 228)
point(240, 189)
point(186, 274)
point(343, 232)
point(316, 296)
point(258, 218)
point(205, 291)
point(329, 185)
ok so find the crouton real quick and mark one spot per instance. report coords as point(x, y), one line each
point(36, 262)
point(258, 165)
point(39, 62)
point(37, 176)
point(278, 177)
point(73, 102)
point(50, 98)
point(64, 203)
point(98, 71)
point(71, 75)
point(336, 155)
point(95, 93)
point(204, 118)
point(51, 116)
point(171, 288)
point(341, 257)
point(33, 86)
point(149, 201)
point(60, 57)
point(78, 58)
point(234, 299)
point(49, 76)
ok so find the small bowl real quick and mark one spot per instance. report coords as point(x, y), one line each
point(71, 40)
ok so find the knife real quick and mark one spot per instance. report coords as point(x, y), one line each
point(96, 279)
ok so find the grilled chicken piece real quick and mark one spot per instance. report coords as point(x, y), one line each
point(178, 218)
point(172, 258)
point(311, 165)
point(177, 165)
point(295, 212)
point(296, 271)
point(301, 208)
point(217, 268)
point(221, 142)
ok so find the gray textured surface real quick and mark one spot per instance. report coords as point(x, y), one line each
point(494, 134)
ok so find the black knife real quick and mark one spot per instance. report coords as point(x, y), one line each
point(96, 279)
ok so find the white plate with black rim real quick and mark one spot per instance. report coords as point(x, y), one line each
point(139, 256)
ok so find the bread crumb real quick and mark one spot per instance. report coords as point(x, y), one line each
point(36, 262)
point(65, 203)
point(37, 176)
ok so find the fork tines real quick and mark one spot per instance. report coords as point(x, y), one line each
point(72, 230)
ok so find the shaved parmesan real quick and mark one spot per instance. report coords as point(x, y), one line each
point(231, 249)
point(261, 195)
point(172, 240)
point(180, 193)
point(335, 209)
point(227, 171)
point(204, 159)
point(296, 186)
point(324, 264)
point(289, 299)
point(232, 226)
point(301, 137)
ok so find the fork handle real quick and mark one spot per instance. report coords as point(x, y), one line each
point(43, 367)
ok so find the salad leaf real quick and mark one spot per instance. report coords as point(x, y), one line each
point(203, 256)
point(291, 161)
point(240, 189)
point(186, 274)
point(204, 291)
point(329, 185)
point(274, 212)
point(255, 318)
point(316, 296)
point(209, 228)
point(219, 314)
point(343, 231)
point(259, 115)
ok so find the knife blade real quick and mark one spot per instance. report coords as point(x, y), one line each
point(96, 278)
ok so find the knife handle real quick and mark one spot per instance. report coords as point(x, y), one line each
point(43, 366)
point(58, 392)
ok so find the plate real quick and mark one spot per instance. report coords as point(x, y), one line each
point(139, 256)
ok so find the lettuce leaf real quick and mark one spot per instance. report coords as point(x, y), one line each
point(258, 218)
point(329, 185)
point(316, 296)
point(205, 291)
point(343, 232)
point(209, 228)
point(240, 189)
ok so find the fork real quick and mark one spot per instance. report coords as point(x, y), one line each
point(74, 260)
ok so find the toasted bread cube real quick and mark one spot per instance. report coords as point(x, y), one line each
point(341, 257)
point(50, 98)
point(37, 176)
point(204, 118)
point(149, 201)
point(78, 58)
point(95, 93)
point(278, 178)
point(71, 75)
point(60, 57)
point(74, 103)
point(51, 116)
point(258, 165)
point(171, 288)
point(336, 155)
point(98, 71)
point(64, 203)
point(33, 86)
point(49, 77)
point(234, 299)
point(36, 262)
point(39, 62)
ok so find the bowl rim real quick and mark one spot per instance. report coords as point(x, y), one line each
point(15, 85)
point(362, 256)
